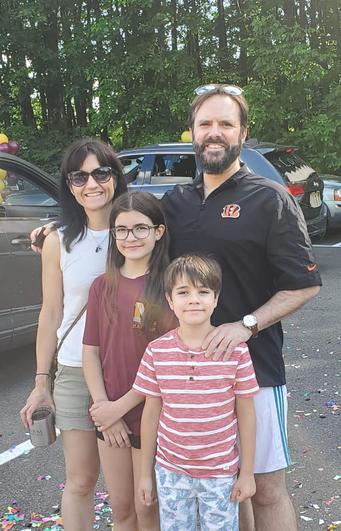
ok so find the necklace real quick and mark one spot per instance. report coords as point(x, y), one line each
point(98, 243)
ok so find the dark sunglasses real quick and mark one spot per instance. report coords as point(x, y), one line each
point(80, 178)
point(231, 90)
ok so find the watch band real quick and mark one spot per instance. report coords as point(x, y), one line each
point(254, 330)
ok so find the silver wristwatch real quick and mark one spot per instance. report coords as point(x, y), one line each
point(250, 322)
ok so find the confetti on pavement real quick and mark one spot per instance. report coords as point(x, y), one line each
point(13, 518)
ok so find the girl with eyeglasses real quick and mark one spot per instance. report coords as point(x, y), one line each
point(126, 308)
point(72, 257)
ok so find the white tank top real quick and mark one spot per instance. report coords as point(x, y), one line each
point(79, 268)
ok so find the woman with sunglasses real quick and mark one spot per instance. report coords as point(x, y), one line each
point(72, 257)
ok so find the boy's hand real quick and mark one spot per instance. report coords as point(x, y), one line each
point(104, 414)
point(244, 487)
point(147, 490)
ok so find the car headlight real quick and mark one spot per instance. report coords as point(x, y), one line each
point(337, 195)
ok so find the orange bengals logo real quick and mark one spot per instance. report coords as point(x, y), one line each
point(231, 211)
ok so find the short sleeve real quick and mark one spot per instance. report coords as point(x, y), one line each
point(91, 330)
point(289, 249)
point(245, 381)
point(145, 381)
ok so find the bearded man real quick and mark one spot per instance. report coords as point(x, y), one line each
point(256, 231)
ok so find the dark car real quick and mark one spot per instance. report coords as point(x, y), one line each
point(28, 200)
point(158, 168)
point(332, 198)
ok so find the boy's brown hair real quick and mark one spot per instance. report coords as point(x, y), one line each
point(200, 270)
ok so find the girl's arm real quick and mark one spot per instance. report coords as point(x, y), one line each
point(50, 318)
point(104, 414)
point(149, 429)
point(245, 486)
point(93, 373)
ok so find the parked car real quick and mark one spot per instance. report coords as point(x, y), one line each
point(158, 168)
point(332, 198)
point(29, 199)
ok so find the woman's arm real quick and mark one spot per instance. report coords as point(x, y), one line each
point(50, 318)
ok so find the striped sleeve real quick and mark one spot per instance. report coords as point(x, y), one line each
point(145, 381)
point(245, 382)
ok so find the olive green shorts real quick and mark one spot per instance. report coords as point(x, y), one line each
point(72, 399)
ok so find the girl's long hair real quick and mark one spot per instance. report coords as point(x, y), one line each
point(153, 298)
point(74, 219)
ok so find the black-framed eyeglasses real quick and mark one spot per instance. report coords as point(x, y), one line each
point(231, 90)
point(80, 178)
point(140, 231)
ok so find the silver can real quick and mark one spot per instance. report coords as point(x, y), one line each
point(43, 430)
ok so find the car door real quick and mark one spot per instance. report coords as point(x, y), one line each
point(6, 325)
point(27, 202)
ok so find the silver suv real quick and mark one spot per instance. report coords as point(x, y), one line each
point(158, 168)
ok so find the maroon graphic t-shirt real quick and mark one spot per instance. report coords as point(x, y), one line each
point(122, 341)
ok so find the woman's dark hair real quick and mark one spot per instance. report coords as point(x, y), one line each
point(73, 218)
point(154, 299)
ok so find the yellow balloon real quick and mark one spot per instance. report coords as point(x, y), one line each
point(2, 185)
point(3, 174)
point(1, 200)
point(3, 138)
point(186, 136)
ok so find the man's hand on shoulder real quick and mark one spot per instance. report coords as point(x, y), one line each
point(221, 342)
point(38, 236)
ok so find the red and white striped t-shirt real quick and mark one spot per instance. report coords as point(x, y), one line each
point(198, 426)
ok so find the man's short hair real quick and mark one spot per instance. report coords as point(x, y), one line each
point(198, 269)
point(219, 90)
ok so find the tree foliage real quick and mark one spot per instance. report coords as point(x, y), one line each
point(126, 70)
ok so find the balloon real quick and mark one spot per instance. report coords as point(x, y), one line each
point(13, 146)
point(2, 174)
point(3, 138)
point(186, 136)
point(2, 186)
point(4, 148)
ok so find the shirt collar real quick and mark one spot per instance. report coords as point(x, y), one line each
point(230, 182)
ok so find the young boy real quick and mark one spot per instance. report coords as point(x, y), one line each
point(193, 410)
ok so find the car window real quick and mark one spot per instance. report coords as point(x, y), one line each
point(131, 167)
point(173, 166)
point(20, 191)
point(290, 166)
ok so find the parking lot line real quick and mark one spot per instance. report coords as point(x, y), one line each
point(17, 450)
point(330, 245)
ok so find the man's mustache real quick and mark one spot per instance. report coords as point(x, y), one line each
point(212, 140)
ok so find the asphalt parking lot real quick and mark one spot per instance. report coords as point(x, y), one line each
point(31, 479)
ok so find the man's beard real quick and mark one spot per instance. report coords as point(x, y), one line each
point(217, 165)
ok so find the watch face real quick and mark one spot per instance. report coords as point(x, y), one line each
point(250, 320)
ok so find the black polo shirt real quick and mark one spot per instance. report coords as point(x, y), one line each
point(256, 231)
